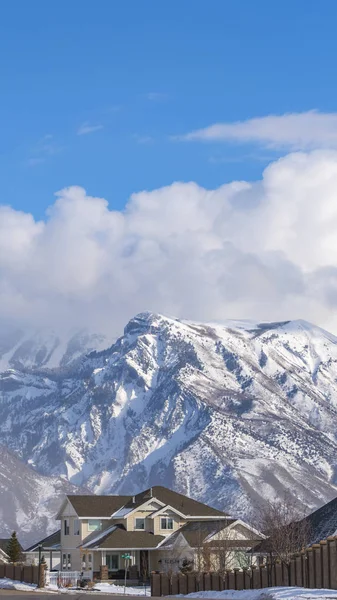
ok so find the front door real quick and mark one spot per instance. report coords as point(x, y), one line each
point(144, 565)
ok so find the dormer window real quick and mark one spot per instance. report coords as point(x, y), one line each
point(140, 524)
point(166, 523)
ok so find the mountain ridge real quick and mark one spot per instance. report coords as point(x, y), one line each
point(235, 412)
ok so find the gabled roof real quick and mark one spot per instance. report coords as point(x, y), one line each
point(4, 544)
point(322, 523)
point(196, 532)
point(105, 506)
point(52, 541)
point(116, 537)
point(187, 506)
point(97, 506)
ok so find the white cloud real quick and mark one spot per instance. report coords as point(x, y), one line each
point(295, 131)
point(86, 128)
point(265, 250)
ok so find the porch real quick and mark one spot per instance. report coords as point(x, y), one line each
point(110, 566)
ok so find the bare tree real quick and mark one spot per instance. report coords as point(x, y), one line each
point(288, 531)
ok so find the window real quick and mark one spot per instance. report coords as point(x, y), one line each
point(66, 562)
point(89, 559)
point(166, 523)
point(112, 562)
point(66, 527)
point(76, 527)
point(139, 523)
point(94, 525)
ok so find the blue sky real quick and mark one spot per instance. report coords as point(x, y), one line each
point(143, 72)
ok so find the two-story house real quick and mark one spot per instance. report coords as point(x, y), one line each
point(96, 531)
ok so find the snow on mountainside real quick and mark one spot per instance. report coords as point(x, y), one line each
point(228, 414)
point(37, 349)
point(28, 501)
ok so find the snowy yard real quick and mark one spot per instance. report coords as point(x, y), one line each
point(9, 584)
point(276, 593)
point(104, 588)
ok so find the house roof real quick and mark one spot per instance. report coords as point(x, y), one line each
point(116, 536)
point(4, 544)
point(322, 523)
point(97, 506)
point(49, 542)
point(196, 532)
point(105, 506)
point(180, 502)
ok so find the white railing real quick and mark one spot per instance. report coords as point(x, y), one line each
point(63, 578)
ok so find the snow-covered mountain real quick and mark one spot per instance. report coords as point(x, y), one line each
point(228, 414)
point(28, 501)
point(36, 349)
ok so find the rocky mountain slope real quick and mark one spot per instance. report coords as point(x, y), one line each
point(28, 501)
point(229, 414)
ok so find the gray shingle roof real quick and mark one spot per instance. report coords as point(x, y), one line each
point(51, 540)
point(195, 532)
point(4, 543)
point(97, 506)
point(120, 538)
point(105, 506)
point(184, 504)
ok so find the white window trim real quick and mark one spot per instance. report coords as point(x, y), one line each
point(97, 528)
point(118, 561)
point(166, 528)
point(135, 524)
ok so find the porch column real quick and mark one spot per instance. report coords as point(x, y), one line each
point(50, 560)
point(103, 557)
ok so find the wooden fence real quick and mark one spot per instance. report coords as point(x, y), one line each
point(315, 567)
point(26, 573)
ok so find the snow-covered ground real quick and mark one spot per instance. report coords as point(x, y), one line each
point(107, 588)
point(10, 584)
point(104, 588)
point(273, 593)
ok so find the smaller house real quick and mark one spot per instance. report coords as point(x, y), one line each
point(210, 546)
point(50, 548)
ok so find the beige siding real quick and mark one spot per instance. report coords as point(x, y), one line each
point(177, 523)
point(84, 527)
point(140, 514)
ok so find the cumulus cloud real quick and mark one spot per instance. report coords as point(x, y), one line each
point(86, 128)
point(294, 131)
point(264, 250)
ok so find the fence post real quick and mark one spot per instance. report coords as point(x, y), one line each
point(155, 584)
point(317, 565)
point(231, 580)
point(255, 577)
point(325, 564)
point(332, 541)
point(264, 576)
point(298, 571)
